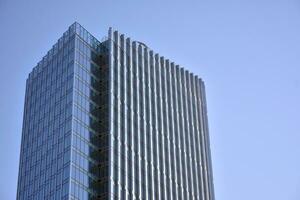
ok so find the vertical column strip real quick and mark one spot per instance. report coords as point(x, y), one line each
point(111, 112)
point(156, 89)
point(118, 112)
point(179, 132)
point(125, 116)
point(207, 143)
point(174, 143)
point(139, 117)
point(136, 120)
point(162, 130)
point(184, 134)
point(199, 134)
point(194, 170)
point(188, 135)
point(197, 140)
point(146, 119)
point(202, 150)
point(168, 106)
point(131, 108)
point(152, 128)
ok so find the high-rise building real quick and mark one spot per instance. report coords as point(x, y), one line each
point(113, 120)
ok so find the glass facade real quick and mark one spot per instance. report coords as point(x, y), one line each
point(89, 169)
point(45, 160)
point(113, 120)
point(65, 123)
point(159, 142)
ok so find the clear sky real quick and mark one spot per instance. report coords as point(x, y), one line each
point(247, 52)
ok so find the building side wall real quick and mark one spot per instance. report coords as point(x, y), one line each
point(64, 150)
point(159, 142)
point(44, 171)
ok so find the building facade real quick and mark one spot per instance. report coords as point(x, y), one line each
point(113, 120)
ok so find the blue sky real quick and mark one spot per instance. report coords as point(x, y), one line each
point(247, 52)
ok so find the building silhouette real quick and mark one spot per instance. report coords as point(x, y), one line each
point(113, 120)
